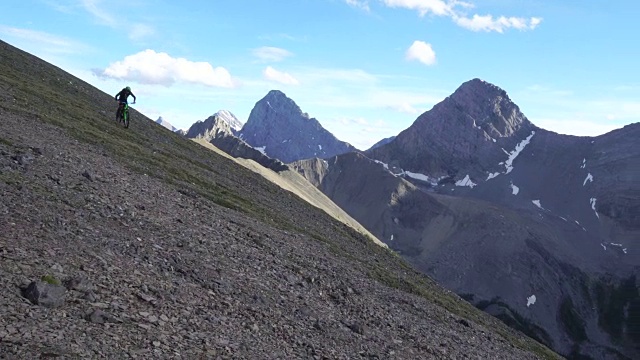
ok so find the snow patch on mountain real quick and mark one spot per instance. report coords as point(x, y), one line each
point(593, 206)
point(422, 177)
point(466, 182)
point(620, 246)
point(385, 166)
point(531, 300)
point(537, 203)
point(512, 155)
point(589, 178)
point(492, 175)
point(584, 164)
point(262, 149)
point(514, 189)
point(231, 119)
point(580, 225)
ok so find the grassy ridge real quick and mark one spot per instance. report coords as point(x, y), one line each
point(36, 90)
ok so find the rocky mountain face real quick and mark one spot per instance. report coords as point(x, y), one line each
point(468, 130)
point(123, 243)
point(281, 130)
point(216, 125)
point(219, 131)
point(166, 124)
point(232, 120)
point(535, 228)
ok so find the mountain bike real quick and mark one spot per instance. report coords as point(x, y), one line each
point(122, 115)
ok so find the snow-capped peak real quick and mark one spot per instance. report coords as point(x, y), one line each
point(231, 119)
point(166, 124)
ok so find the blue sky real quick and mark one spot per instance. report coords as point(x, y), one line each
point(364, 69)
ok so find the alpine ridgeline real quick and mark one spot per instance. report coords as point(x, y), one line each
point(220, 129)
point(536, 228)
point(281, 130)
point(166, 124)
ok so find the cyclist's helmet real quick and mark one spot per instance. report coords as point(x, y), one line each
point(128, 88)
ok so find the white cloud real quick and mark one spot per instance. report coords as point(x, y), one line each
point(140, 31)
point(405, 108)
point(437, 7)
point(103, 16)
point(360, 4)
point(279, 76)
point(45, 42)
point(268, 53)
point(456, 10)
point(500, 24)
point(150, 67)
point(421, 51)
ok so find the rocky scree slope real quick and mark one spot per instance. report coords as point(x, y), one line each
point(146, 244)
point(278, 127)
point(536, 228)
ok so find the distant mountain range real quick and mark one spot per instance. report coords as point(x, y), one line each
point(530, 226)
point(533, 227)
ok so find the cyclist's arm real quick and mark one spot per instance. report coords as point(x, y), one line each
point(134, 97)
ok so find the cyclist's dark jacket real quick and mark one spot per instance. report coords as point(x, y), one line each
point(123, 95)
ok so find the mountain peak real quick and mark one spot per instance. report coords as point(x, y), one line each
point(487, 106)
point(278, 101)
point(479, 88)
point(166, 124)
point(229, 118)
point(222, 123)
point(278, 126)
point(465, 132)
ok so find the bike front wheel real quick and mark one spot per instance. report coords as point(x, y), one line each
point(125, 119)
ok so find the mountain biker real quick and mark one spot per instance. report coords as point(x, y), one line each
point(122, 97)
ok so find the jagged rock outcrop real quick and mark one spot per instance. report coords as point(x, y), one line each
point(212, 127)
point(232, 120)
point(166, 124)
point(278, 127)
point(218, 131)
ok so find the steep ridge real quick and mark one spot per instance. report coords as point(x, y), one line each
point(166, 249)
point(166, 124)
point(214, 126)
point(539, 232)
point(281, 130)
point(292, 181)
point(232, 120)
point(218, 131)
